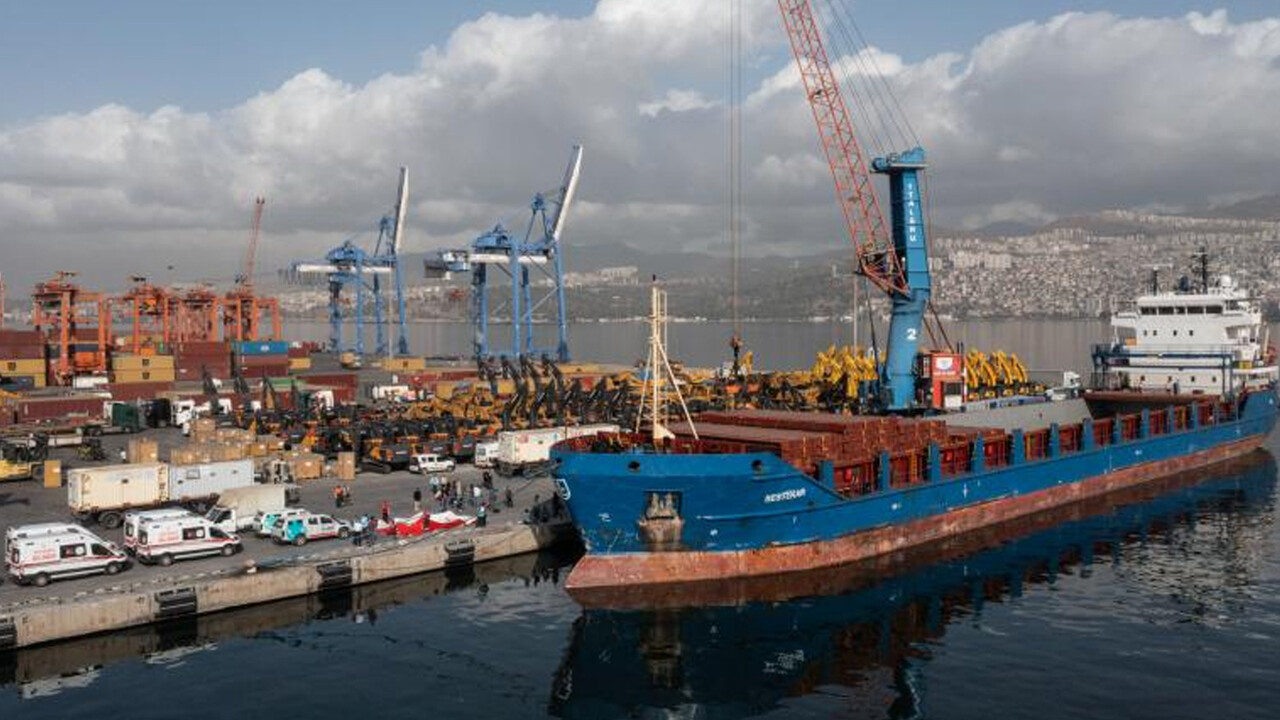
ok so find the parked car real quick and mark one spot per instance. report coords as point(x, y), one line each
point(167, 539)
point(266, 520)
point(40, 558)
point(304, 528)
point(430, 463)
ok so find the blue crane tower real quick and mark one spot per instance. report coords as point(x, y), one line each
point(499, 255)
point(350, 267)
point(893, 256)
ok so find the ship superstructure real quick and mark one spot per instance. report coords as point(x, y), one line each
point(1208, 339)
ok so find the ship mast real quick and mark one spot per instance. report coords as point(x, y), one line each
point(658, 373)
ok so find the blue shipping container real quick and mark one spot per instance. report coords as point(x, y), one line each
point(262, 347)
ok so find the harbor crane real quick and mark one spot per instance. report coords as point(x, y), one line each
point(499, 254)
point(243, 307)
point(370, 275)
point(892, 256)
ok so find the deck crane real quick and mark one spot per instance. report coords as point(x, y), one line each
point(894, 259)
point(513, 256)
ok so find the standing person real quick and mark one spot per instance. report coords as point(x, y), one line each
point(481, 516)
point(476, 492)
point(124, 455)
point(417, 500)
point(508, 498)
point(337, 496)
point(488, 479)
point(386, 511)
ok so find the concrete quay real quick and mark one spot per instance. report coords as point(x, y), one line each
point(264, 572)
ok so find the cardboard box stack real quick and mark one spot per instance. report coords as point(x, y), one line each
point(305, 465)
point(203, 430)
point(141, 450)
point(345, 468)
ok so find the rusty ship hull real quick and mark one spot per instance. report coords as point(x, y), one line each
point(697, 511)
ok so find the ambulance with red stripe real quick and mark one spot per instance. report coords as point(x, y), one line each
point(38, 558)
point(161, 541)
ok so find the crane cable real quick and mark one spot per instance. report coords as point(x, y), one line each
point(735, 162)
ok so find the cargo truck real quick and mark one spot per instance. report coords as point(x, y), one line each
point(527, 452)
point(237, 508)
point(103, 494)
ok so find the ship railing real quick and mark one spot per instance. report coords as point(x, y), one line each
point(998, 449)
point(1177, 350)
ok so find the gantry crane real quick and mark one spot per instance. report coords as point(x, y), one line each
point(893, 259)
point(513, 256)
point(152, 316)
point(350, 266)
point(76, 323)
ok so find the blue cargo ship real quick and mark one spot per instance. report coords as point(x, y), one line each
point(655, 516)
point(755, 492)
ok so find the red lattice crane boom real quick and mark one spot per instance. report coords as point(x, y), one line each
point(245, 278)
point(854, 190)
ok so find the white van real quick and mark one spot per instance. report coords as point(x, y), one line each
point(22, 532)
point(135, 518)
point(42, 558)
point(486, 454)
point(163, 541)
point(429, 463)
point(266, 520)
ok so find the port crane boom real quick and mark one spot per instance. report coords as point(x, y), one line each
point(255, 230)
point(895, 261)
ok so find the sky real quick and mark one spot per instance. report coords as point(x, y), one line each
point(137, 133)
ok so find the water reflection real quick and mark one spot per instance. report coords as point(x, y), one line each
point(47, 670)
point(864, 631)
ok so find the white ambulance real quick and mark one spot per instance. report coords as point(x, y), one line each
point(169, 539)
point(40, 558)
point(134, 519)
point(21, 532)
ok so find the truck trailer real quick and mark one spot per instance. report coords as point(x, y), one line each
point(103, 494)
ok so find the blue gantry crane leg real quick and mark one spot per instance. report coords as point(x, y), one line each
point(520, 261)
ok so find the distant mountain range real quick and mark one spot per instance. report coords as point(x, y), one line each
point(687, 264)
point(1261, 208)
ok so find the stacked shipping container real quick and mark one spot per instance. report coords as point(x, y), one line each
point(142, 368)
point(262, 358)
point(22, 357)
point(193, 357)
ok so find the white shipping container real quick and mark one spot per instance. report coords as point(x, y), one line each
point(521, 448)
point(205, 480)
point(117, 487)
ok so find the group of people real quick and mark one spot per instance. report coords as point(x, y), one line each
point(446, 494)
point(454, 494)
point(341, 495)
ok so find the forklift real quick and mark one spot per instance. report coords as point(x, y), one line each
point(23, 458)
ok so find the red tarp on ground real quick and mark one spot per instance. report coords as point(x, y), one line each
point(422, 523)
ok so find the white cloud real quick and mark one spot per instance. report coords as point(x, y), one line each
point(676, 101)
point(1084, 111)
point(1017, 211)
